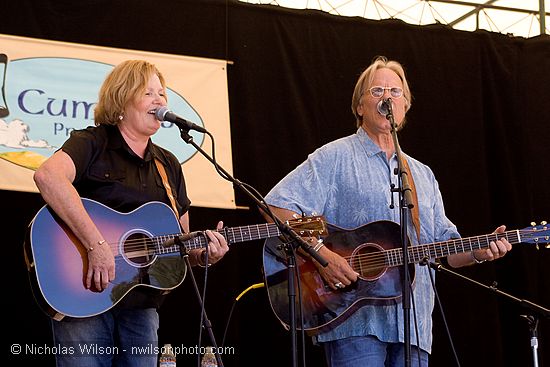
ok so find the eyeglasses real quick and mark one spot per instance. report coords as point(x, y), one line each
point(378, 92)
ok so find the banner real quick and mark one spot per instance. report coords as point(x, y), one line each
point(50, 88)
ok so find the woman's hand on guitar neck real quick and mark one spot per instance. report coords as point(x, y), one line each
point(217, 244)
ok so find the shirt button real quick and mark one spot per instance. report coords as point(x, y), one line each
point(107, 175)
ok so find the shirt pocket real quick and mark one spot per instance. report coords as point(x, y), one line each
point(107, 174)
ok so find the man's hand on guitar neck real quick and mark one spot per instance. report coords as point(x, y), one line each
point(496, 250)
point(101, 266)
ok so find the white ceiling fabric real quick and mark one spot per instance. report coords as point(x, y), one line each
point(514, 17)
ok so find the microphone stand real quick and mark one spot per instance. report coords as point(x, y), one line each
point(532, 320)
point(406, 203)
point(292, 238)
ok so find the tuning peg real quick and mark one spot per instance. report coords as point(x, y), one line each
point(533, 224)
point(543, 223)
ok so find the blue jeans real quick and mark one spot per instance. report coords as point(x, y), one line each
point(368, 351)
point(118, 337)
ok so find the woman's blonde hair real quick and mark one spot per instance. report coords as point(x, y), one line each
point(367, 77)
point(124, 83)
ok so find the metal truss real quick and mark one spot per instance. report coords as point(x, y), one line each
point(523, 18)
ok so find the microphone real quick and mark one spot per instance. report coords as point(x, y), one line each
point(164, 114)
point(181, 238)
point(384, 106)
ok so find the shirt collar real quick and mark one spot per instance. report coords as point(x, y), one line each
point(370, 147)
point(116, 141)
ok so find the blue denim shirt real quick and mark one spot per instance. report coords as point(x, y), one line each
point(348, 182)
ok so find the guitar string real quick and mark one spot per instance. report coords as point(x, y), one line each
point(150, 246)
point(395, 256)
point(417, 253)
point(379, 259)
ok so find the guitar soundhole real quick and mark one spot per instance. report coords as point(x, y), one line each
point(139, 249)
point(368, 261)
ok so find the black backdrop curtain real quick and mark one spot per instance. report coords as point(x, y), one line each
point(478, 118)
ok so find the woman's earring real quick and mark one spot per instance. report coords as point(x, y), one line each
point(121, 117)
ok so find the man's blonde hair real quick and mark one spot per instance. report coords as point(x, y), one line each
point(366, 78)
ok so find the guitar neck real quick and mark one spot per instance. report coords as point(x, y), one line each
point(416, 254)
point(232, 235)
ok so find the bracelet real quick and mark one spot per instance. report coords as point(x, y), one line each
point(476, 260)
point(318, 246)
point(100, 242)
point(202, 257)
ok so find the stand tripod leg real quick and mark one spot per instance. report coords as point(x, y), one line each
point(291, 304)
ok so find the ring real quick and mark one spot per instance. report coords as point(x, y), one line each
point(339, 285)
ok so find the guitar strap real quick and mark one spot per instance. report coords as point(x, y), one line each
point(162, 172)
point(414, 211)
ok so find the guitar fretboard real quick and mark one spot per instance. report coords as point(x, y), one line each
point(416, 254)
point(231, 234)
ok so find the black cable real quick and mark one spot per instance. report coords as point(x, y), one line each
point(203, 300)
point(228, 321)
point(214, 162)
point(444, 319)
point(253, 286)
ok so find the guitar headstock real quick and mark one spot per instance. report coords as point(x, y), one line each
point(537, 234)
point(309, 226)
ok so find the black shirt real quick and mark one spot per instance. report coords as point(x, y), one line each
point(109, 172)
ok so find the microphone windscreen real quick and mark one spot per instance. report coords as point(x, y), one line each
point(382, 107)
point(161, 112)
